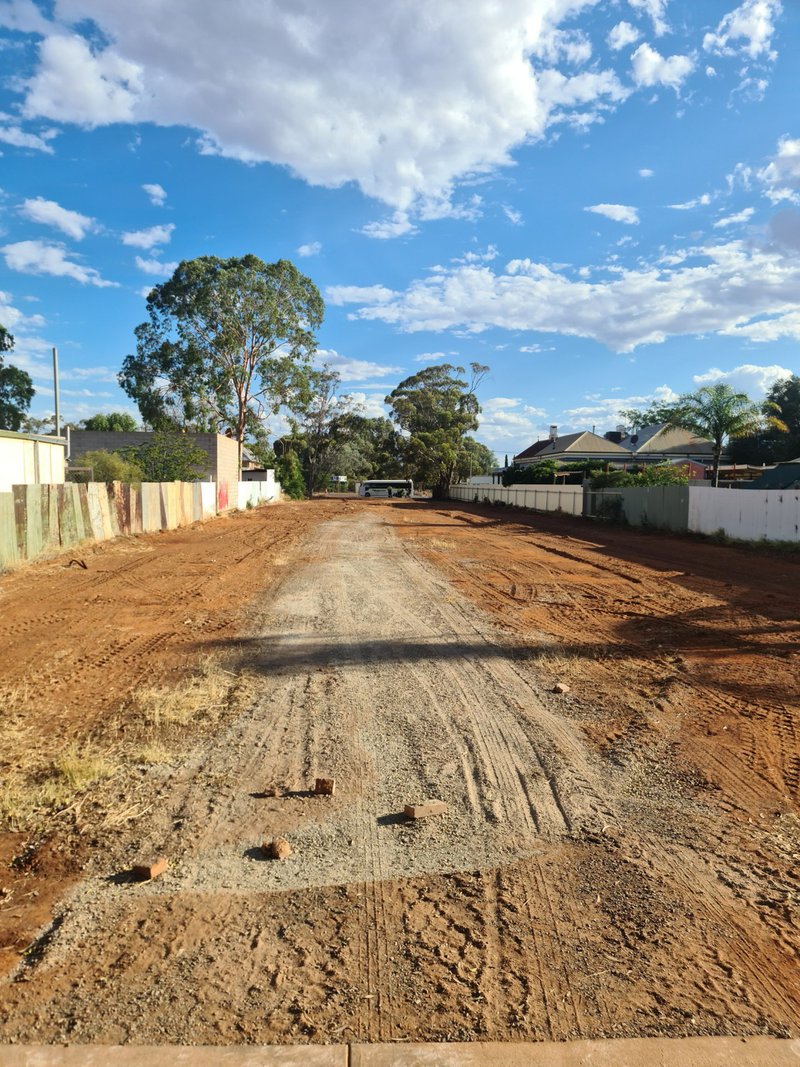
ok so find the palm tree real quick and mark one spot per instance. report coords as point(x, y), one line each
point(718, 413)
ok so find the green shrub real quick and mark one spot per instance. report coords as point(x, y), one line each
point(106, 467)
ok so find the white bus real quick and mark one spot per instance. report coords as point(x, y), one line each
point(388, 487)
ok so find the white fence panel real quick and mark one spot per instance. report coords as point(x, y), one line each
point(565, 498)
point(749, 514)
point(251, 494)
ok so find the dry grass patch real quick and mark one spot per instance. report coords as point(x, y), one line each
point(40, 778)
point(32, 792)
point(200, 696)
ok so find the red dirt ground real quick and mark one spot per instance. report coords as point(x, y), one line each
point(682, 660)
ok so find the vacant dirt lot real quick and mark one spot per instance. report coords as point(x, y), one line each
point(618, 860)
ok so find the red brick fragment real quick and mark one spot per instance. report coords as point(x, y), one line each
point(325, 787)
point(428, 807)
point(147, 871)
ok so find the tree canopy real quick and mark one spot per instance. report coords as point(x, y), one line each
point(436, 408)
point(715, 412)
point(227, 342)
point(16, 388)
point(106, 466)
point(114, 420)
point(169, 457)
point(772, 444)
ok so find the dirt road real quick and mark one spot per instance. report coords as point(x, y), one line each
point(611, 862)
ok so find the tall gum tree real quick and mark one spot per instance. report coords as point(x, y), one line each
point(16, 388)
point(227, 342)
point(437, 408)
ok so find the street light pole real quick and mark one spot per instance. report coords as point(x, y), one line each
point(55, 392)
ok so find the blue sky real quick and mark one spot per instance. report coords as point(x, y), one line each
point(600, 200)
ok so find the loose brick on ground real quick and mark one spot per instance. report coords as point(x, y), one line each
point(148, 871)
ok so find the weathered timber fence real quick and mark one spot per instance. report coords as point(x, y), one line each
point(37, 520)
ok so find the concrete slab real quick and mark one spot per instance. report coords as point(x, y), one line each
point(633, 1052)
point(173, 1056)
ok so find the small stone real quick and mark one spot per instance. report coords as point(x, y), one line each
point(277, 849)
point(421, 811)
point(561, 687)
point(272, 791)
point(145, 872)
point(324, 787)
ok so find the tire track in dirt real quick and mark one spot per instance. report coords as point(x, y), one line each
point(369, 668)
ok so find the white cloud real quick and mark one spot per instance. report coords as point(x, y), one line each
point(17, 138)
point(149, 238)
point(748, 378)
point(397, 225)
point(156, 192)
point(359, 294)
point(261, 86)
point(49, 213)
point(656, 10)
point(478, 257)
point(616, 212)
point(732, 220)
point(22, 16)
point(780, 178)
point(14, 319)
point(724, 288)
point(645, 172)
point(690, 205)
point(651, 68)
point(156, 267)
point(353, 370)
point(37, 257)
point(770, 329)
point(370, 405)
point(512, 215)
point(312, 249)
point(74, 84)
point(604, 412)
point(430, 357)
point(747, 29)
point(97, 374)
point(784, 228)
point(509, 422)
point(622, 35)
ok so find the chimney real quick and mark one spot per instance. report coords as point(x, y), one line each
point(553, 433)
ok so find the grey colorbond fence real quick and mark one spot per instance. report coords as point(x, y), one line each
point(746, 514)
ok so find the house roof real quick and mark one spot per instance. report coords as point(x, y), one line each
point(578, 443)
point(532, 450)
point(670, 440)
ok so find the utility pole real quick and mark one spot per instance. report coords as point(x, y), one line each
point(55, 392)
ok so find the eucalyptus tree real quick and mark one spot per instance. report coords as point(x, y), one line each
point(436, 409)
point(227, 342)
point(16, 388)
